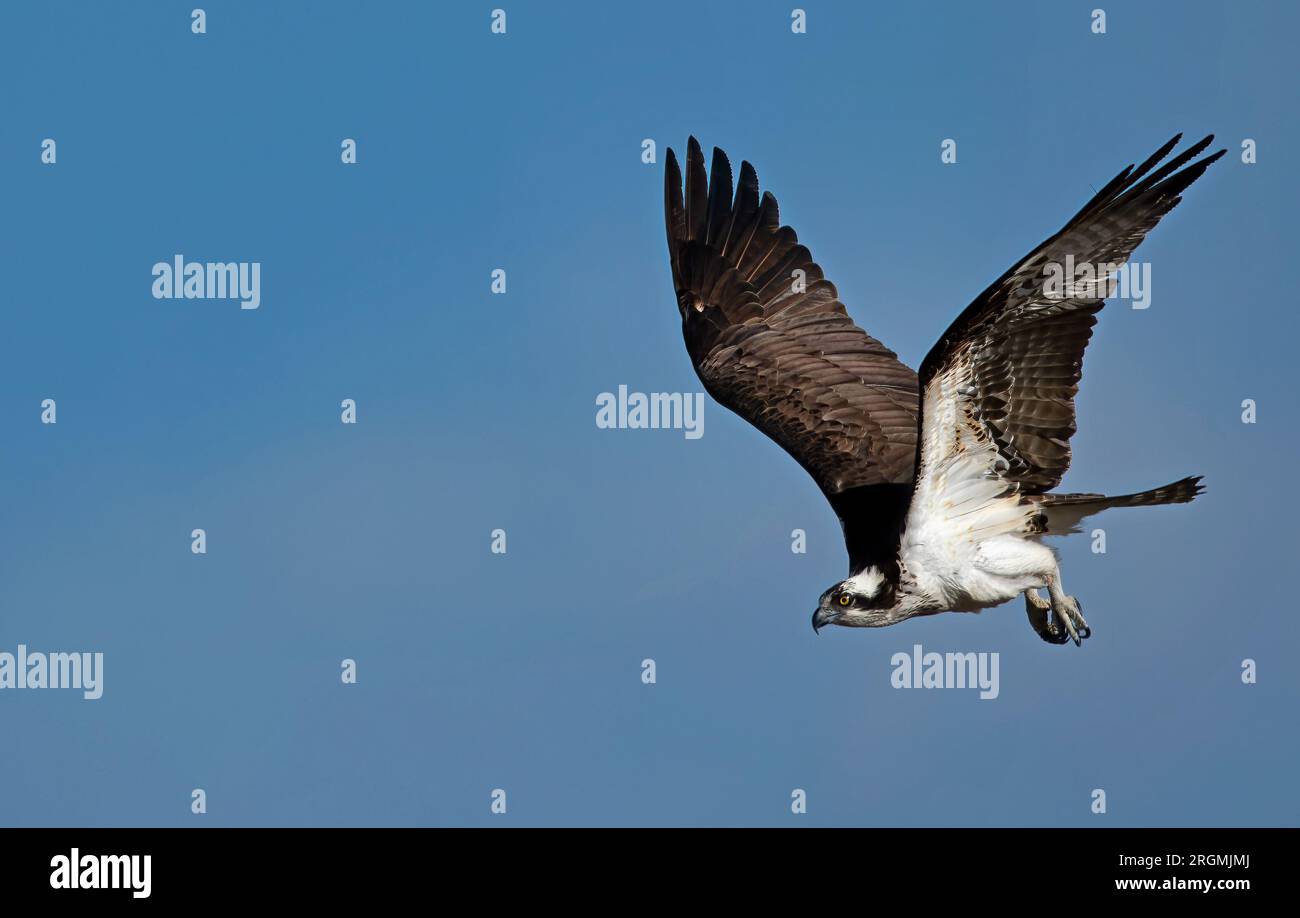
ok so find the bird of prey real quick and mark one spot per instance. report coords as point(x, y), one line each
point(941, 478)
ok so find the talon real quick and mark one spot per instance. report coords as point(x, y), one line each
point(1051, 628)
point(1084, 630)
point(1053, 635)
point(1059, 618)
point(1069, 627)
point(1068, 610)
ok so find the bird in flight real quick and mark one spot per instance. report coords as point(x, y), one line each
point(941, 479)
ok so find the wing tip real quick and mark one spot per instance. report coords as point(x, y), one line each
point(1167, 181)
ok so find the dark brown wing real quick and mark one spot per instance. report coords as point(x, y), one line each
point(770, 340)
point(1009, 366)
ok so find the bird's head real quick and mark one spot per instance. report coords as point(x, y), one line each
point(865, 600)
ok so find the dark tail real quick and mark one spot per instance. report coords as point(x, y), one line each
point(1064, 512)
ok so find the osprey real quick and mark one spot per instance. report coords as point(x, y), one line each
point(941, 478)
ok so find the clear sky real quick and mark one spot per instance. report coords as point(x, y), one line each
point(476, 411)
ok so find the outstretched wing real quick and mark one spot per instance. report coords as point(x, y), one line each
point(770, 340)
point(998, 388)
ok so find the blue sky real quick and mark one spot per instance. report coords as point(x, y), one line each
point(476, 411)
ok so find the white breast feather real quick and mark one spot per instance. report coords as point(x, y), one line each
point(960, 499)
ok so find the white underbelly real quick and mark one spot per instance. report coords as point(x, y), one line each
point(964, 576)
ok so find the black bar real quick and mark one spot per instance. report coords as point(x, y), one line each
point(367, 866)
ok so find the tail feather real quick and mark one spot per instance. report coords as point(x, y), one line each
point(1062, 513)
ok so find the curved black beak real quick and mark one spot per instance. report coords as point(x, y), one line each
point(822, 617)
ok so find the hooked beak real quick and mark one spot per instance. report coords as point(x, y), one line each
point(822, 617)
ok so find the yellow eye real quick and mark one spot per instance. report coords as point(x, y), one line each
point(844, 599)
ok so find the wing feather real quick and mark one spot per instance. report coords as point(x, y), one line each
point(1013, 359)
point(785, 356)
